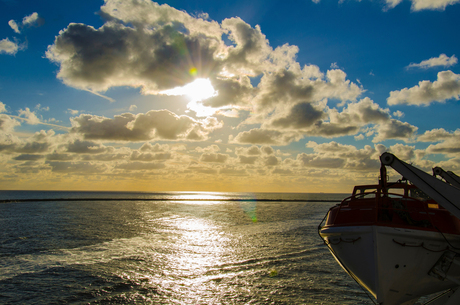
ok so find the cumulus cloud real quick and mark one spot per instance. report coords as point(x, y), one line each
point(446, 87)
point(83, 168)
point(418, 5)
point(334, 155)
point(156, 48)
point(29, 116)
point(139, 166)
point(403, 152)
point(8, 47)
point(85, 147)
point(148, 157)
point(306, 119)
point(40, 142)
point(442, 61)
point(436, 135)
point(163, 48)
point(247, 159)
point(161, 124)
point(447, 143)
point(395, 129)
point(265, 136)
point(302, 115)
point(214, 157)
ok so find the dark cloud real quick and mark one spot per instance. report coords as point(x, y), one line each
point(28, 157)
point(161, 124)
point(308, 160)
point(117, 55)
point(140, 166)
point(302, 115)
point(85, 147)
point(76, 167)
point(148, 157)
point(214, 157)
point(331, 130)
point(271, 161)
point(395, 129)
point(248, 160)
point(265, 136)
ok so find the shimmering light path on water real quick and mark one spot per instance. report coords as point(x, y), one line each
point(168, 251)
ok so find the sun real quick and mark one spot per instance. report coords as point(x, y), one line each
point(196, 91)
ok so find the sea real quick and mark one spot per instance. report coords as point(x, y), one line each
point(168, 248)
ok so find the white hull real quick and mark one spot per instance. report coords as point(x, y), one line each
point(391, 263)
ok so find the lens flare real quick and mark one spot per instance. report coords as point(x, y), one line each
point(193, 71)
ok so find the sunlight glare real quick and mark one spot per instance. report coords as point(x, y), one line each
point(196, 91)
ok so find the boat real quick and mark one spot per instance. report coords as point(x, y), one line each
point(399, 240)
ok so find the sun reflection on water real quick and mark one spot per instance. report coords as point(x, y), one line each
point(199, 245)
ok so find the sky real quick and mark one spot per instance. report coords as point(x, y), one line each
point(240, 96)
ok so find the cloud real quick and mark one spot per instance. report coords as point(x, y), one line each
point(304, 119)
point(302, 115)
point(334, 155)
point(394, 129)
point(148, 157)
point(418, 5)
point(155, 53)
point(148, 147)
point(403, 152)
point(214, 157)
point(7, 123)
point(28, 157)
point(271, 161)
point(447, 143)
point(156, 47)
point(442, 61)
point(447, 86)
point(140, 166)
point(83, 168)
point(14, 26)
point(8, 47)
point(29, 116)
point(161, 124)
point(391, 4)
point(320, 162)
point(33, 20)
point(247, 159)
point(40, 142)
point(265, 136)
point(85, 147)
point(72, 111)
point(436, 135)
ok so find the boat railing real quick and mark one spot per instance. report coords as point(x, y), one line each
point(372, 207)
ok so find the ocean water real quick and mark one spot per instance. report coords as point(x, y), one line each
point(168, 248)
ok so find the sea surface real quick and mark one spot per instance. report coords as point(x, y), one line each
point(168, 248)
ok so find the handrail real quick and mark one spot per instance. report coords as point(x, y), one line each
point(378, 208)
